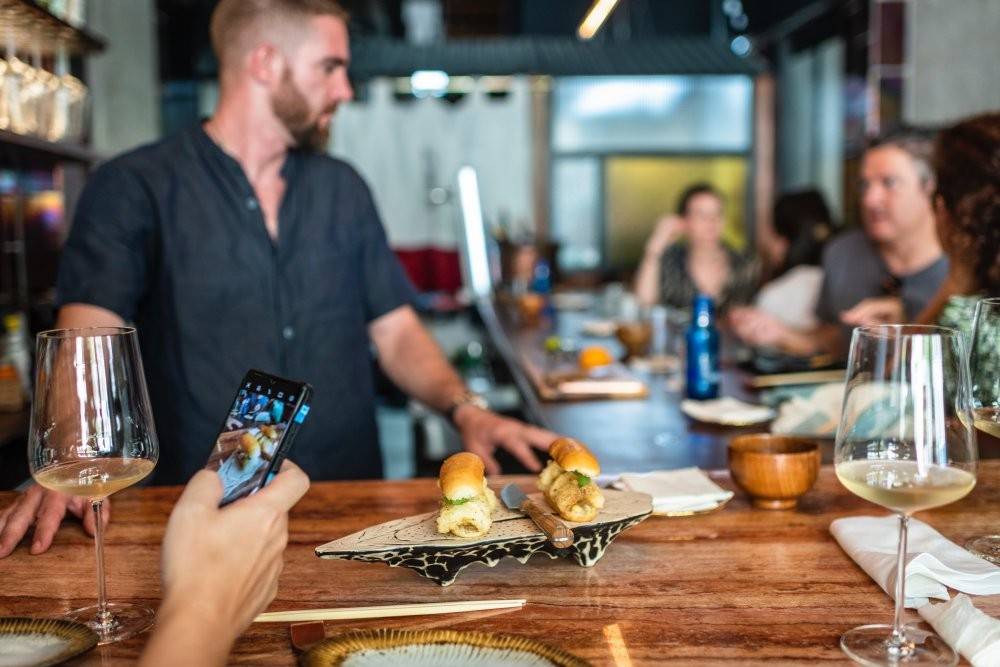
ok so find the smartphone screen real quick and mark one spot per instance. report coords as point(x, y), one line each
point(257, 432)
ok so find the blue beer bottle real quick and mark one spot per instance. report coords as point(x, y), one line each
point(702, 351)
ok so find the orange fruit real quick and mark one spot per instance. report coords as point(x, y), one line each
point(594, 356)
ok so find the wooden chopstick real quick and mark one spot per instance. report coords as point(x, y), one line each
point(385, 611)
point(791, 379)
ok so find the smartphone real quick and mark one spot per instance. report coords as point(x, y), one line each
point(257, 433)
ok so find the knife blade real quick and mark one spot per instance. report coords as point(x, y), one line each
point(516, 500)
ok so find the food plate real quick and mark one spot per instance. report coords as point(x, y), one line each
point(414, 542)
point(727, 412)
point(599, 328)
point(38, 642)
point(435, 648)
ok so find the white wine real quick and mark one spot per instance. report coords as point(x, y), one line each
point(987, 420)
point(900, 486)
point(95, 478)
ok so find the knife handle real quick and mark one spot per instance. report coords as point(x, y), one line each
point(558, 533)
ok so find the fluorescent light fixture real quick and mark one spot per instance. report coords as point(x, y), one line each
point(595, 18)
point(477, 261)
point(429, 82)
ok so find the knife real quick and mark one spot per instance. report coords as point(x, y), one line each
point(558, 533)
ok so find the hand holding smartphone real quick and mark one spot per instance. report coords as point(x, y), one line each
point(257, 432)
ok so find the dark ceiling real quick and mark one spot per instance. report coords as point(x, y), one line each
point(185, 53)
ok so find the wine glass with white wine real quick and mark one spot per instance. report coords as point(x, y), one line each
point(984, 365)
point(92, 434)
point(905, 442)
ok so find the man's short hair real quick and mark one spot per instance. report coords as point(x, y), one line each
point(234, 21)
point(917, 143)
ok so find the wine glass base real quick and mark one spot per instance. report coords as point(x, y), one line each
point(869, 645)
point(986, 547)
point(124, 620)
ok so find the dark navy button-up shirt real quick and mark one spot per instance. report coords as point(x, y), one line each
point(171, 237)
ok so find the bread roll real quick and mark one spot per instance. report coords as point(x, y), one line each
point(574, 457)
point(461, 476)
point(467, 503)
point(567, 481)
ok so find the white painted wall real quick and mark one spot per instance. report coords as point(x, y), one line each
point(953, 51)
point(404, 150)
point(124, 78)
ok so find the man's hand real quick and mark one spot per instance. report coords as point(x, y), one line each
point(45, 509)
point(483, 431)
point(757, 328)
point(220, 566)
point(874, 311)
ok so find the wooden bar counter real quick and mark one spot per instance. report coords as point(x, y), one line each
point(741, 584)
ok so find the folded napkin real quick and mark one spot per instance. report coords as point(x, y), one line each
point(726, 411)
point(683, 490)
point(966, 629)
point(933, 563)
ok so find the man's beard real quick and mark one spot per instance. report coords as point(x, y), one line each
point(292, 109)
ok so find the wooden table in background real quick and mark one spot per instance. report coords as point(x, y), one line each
point(740, 585)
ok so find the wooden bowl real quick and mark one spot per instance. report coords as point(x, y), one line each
point(776, 470)
point(635, 336)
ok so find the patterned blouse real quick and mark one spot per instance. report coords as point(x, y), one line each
point(984, 362)
point(677, 288)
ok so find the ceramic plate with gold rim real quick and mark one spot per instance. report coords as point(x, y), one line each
point(437, 648)
point(38, 642)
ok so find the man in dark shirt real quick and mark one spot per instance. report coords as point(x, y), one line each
point(232, 246)
point(896, 257)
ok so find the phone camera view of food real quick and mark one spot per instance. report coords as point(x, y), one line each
point(251, 437)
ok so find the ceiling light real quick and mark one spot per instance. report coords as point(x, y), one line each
point(595, 18)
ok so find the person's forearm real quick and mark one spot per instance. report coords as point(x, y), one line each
point(823, 339)
point(647, 279)
point(414, 361)
point(84, 315)
point(183, 637)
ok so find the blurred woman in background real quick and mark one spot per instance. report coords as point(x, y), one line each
point(672, 272)
point(802, 225)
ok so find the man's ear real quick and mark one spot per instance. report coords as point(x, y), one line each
point(266, 64)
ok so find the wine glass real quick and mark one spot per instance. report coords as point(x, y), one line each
point(92, 434)
point(984, 364)
point(905, 442)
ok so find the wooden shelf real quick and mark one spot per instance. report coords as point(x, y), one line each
point(40, 148)
point(34, 26)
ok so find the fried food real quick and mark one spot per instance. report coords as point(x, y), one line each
point(567, 481)
point(467, 503)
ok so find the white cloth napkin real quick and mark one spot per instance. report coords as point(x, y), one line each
point(682, 490)
point(966, 629)
point(726, 410)
point(933, 563)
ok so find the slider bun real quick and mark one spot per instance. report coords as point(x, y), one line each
point(574, 457)
point(461, 476)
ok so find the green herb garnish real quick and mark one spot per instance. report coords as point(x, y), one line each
point(582, 480)
point(460, 501)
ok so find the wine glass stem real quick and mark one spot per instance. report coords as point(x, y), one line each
point(898, 643)
point(103, 615)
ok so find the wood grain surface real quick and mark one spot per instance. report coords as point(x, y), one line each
point(744, 585)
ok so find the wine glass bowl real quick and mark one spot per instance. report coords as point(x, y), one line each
point(984, 366)
point(905, 442)
point(91, 435)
